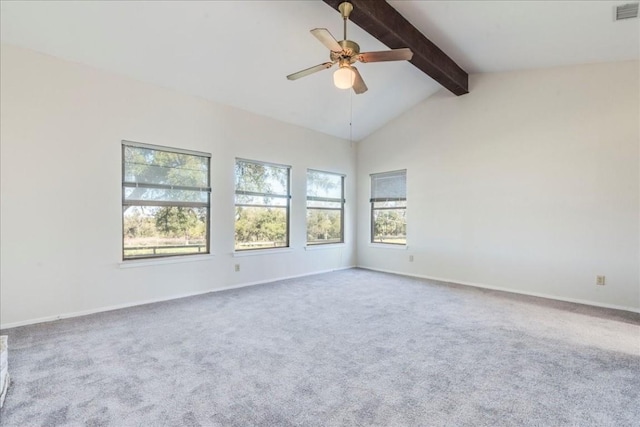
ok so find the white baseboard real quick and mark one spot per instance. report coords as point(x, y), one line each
point(513, 291)
point(151, 301)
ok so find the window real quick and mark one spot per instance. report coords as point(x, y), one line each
point(262, 205)
point(165, 201)
point(389, 207)
point(325, 207)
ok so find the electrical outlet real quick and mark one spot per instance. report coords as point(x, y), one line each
point(600, 280)
point(237, 267)
point(410, 258)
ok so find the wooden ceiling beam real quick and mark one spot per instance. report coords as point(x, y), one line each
point(383, 22)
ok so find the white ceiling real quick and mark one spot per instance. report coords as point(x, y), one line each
point(239, 52)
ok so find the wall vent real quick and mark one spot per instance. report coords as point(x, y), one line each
point(627, 11)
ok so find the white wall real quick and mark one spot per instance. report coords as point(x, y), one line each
point(61, 130)
point(530, 183)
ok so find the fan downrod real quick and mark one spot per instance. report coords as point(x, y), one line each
point(345, 9)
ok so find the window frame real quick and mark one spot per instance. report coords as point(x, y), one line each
point(128, 184)
point(374, 200)
point(341, 200)
point(287, 207)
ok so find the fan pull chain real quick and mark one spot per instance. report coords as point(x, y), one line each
point(351, 119)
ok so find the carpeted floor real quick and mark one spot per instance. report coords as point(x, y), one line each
point(350, 348)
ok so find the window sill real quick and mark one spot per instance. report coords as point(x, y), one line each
point(161, 261)
point(324, 246)
point(254, 252)
point(388, 246)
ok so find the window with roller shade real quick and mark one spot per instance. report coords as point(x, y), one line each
point(325, 207)
point(165, 201)
point(262, 205)
point(389, 207)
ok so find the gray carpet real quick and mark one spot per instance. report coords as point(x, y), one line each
point(355, 348)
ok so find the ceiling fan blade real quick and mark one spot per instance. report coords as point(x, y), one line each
point(327, 39)
point(404, 54)
point(310, 70)
point(358, 84)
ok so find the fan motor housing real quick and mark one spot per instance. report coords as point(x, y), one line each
point(350, 50)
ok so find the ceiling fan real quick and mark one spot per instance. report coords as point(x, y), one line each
point(347, 52)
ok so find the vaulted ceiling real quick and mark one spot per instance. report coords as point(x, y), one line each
point(239, 52)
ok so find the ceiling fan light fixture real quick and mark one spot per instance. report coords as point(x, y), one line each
point(344, 77)
point(346, 52)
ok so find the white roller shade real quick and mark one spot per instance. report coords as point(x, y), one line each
point(389, 186)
